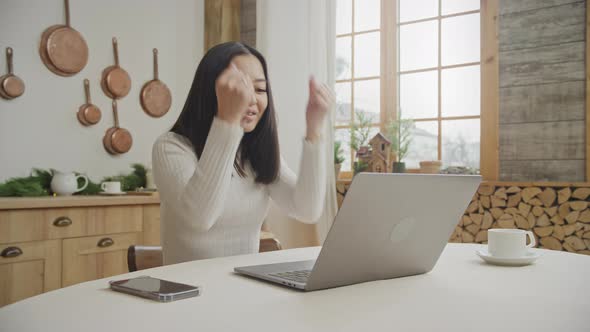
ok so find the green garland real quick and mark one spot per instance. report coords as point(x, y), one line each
point(39, 183)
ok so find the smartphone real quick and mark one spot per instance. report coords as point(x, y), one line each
point(155, 289)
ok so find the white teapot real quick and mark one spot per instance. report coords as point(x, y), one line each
point(65, 184)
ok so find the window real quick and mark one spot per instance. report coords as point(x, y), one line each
point(358, 69)
point(439, 79)
point(424, 53)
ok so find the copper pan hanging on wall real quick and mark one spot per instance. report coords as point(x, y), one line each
point(117, 140)
point(88, 114)
point(11, 86)
point(63, 50)
point(155, 97)
point(115, 81)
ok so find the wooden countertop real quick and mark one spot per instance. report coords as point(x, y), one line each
point(11, 203)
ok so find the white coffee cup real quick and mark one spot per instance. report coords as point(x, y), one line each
point(509, 243)
point(111, 187)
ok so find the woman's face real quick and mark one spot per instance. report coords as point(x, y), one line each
point(250, 66)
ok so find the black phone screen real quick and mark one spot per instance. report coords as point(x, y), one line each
point(154, 285)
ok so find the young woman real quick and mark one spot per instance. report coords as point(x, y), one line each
point(220, 165)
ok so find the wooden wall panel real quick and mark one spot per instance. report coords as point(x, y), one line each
point(542, 140)
point(546, 102)
point(542, 70)
point(542, 170)
point(541, 65)
point(512, 6)
point(542, 27)
point(587, 91)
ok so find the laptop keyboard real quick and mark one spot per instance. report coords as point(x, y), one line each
point(297, 276)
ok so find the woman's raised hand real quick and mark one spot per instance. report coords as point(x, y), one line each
point(235, 93)
point(321, 101)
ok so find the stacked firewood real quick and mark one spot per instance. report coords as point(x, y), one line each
point(558, 216)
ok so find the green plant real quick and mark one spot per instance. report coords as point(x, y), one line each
point(92, 188)
point(39, 183)
point(338, 157)
point(36, 184)
point(359, 166)
point(360, 129)
point(399, 132)
point(23, 187)
point(43, 176)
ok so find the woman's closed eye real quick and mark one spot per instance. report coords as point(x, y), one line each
point(260, 90)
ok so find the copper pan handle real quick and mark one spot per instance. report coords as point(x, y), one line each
point(155, 64)
point(87, 90)
point(115, 113)
point(116, 51)
point(67, 4)
point(9, 59)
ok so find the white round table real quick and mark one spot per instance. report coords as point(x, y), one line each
point(462, 293)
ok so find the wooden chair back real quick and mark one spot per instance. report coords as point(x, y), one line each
point(146, 257)
point(143, 257)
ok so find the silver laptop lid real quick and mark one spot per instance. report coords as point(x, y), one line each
point(391, 225)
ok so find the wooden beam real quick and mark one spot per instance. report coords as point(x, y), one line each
point(536, 184)
point(222, 22)
point(508, 183)
point(489, 151)
point(439, 84)
point(388, 62)
point(587, 90)
point(352, 77)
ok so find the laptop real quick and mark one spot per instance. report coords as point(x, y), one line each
point(389, 226)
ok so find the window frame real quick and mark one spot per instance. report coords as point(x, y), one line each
point(389, 78)
point(353, 79)
point(439, 71)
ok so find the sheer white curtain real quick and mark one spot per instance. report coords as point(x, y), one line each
point(297, 37)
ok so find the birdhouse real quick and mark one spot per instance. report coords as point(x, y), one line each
point(381, 145)
point(380, 154)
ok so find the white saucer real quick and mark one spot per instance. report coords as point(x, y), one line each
point(529, 258)
point(112, 194)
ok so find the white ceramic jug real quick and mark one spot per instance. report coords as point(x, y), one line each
point(65, 184)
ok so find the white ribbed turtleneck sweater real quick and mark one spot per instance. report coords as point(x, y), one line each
point(208, 210)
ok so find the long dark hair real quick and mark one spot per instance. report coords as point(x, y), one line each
point(259, 147)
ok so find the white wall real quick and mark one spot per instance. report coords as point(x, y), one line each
point(40, 128)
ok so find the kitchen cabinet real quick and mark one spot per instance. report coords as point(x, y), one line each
point(52, 242)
